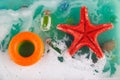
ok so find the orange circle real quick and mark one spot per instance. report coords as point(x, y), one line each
point(36, 55)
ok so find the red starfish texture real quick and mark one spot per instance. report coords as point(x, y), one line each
point(85, 34)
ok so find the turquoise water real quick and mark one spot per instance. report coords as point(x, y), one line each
point(67, 12)
point(15, 4)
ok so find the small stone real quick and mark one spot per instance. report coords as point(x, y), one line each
point(96, 71)
point(109, 45)
point(95, 60)
point(48, 51)
point(61, 59)
point(48, 41)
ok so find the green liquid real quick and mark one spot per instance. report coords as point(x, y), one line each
point(26, 49)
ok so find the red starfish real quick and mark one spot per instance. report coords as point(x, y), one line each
point(85, 34)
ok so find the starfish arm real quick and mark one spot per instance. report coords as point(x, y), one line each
point(75, 49)
point(93, 44)
point(72, 49)
point(84, 19)
point(82, 42)
point(103, 27)
point(82, 15)
point(67, 28)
